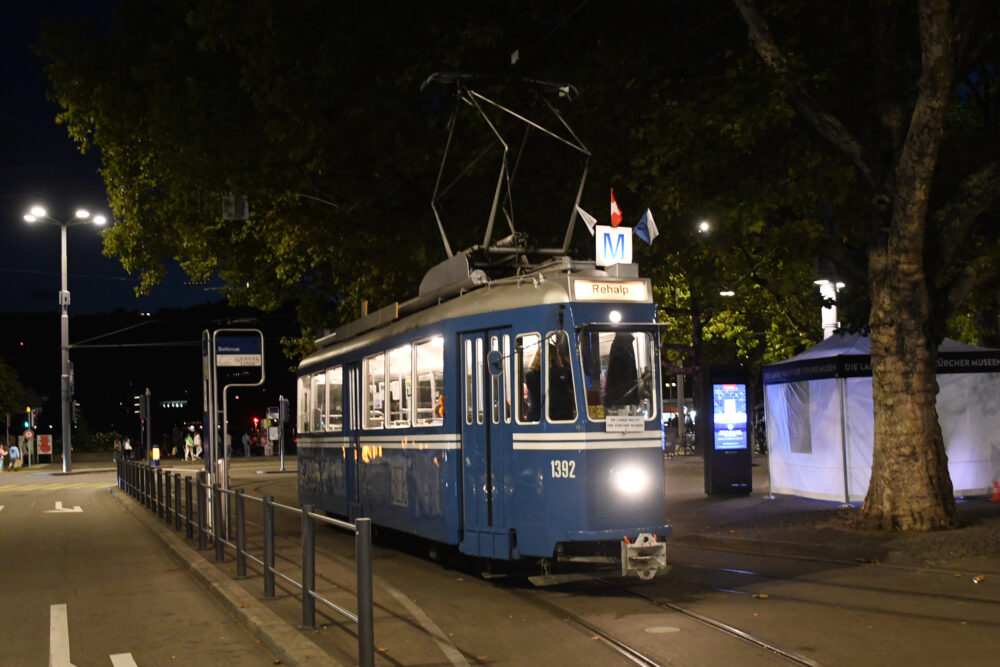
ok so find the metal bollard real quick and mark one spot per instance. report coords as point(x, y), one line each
point(308, 567)
point(202, 519)
point(167, 497)
point(217, 536)
point(267, 522)
point(189, 507)
point(150, 488)
point(177, 501)
point(159, 492)
point(241, 535)
point(363, 562)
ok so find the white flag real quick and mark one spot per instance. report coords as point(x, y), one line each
point(588, 219)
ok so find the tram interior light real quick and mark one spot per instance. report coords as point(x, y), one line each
point(629, 480)
point(615, 316)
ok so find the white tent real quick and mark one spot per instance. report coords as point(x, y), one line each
point(820, 422)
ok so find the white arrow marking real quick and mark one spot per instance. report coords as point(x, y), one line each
point(60, 508)
point(59, 636)
point(123, 660)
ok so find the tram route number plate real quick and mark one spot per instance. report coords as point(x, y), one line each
point(624, 423)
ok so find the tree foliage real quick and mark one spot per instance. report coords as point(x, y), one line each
point(314, 112)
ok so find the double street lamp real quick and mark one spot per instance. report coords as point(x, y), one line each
point(39, 214)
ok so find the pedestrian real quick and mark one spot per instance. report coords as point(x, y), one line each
point(15, 457)
point(246, 444)
point(197, 445)
point(118, 450)
point(3, 453)
point(128, 448)
point(189, 446)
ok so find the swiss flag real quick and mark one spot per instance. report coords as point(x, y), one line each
point(616, 213)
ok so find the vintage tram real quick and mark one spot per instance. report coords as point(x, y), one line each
point(514, 418)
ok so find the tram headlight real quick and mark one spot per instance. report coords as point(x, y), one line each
point(629, 480)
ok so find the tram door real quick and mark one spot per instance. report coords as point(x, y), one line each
point(352, 429)
point(485, 377)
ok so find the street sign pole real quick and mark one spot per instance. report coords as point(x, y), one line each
point(240, 349)
point(282, 419)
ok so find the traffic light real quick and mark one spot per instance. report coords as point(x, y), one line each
point(141, 404)
point(76, 411)
point(256, 421)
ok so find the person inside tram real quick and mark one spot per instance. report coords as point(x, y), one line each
point(561, 400)
point(622, 385)
point(533, 388)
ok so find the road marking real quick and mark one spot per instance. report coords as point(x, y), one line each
point(36, 486)
point(59, 636)
point(1, 508)
point(123, 660)
point(60, 508)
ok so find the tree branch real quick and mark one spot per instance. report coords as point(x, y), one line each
point(955, 220)
point(826, 124)
point(978, 273)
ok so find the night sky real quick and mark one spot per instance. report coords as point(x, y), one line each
point(39, 164)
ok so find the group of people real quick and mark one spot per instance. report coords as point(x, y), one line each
point(13, 455)
point(192, 445)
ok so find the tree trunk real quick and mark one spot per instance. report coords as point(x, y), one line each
point(910, 488)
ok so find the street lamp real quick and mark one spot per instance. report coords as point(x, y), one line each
point(39, 214)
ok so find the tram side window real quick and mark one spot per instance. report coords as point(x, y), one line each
point(561, 397)
point(305, 400)
point(335, 402)
point(374, 373)
point(317, 415)
point(400, 384)
point(429, 399)
point(528, 380)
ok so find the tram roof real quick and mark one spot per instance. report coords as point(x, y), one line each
point(559, 281)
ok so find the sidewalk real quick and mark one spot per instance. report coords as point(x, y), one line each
point(803, 527)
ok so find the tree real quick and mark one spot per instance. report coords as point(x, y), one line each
point(14, 396)
point(928, 239)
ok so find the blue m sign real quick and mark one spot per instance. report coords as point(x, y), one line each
point(614, 245)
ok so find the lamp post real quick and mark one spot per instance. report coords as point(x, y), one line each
point(36, 214)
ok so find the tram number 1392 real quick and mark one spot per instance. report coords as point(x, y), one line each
point(563, 469)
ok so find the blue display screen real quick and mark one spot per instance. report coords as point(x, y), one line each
point(729, 408)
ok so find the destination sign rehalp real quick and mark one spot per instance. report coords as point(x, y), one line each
point(594, 290)
point(238, 351)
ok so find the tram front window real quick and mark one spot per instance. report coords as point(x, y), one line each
point(618, 373)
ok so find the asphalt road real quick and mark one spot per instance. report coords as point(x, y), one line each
point(81, 581)
point(124, 594)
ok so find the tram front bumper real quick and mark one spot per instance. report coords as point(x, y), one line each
point(644, 557)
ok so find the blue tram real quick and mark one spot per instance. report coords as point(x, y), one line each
point(514, 419)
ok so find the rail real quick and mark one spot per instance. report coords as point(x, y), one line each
point(160, 492)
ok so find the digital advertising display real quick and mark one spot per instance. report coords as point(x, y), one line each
point(729, 410)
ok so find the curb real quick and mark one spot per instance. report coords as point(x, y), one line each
point(283, 639)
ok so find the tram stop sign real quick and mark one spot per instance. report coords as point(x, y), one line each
point(239, 358)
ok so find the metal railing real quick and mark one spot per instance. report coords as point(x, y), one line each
point(160, 491)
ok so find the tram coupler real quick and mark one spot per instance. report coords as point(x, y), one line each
point(644, 557)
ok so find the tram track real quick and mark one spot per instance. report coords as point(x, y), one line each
point(959, 599)
point(636, 656)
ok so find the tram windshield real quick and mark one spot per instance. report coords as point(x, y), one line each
point(618, 371)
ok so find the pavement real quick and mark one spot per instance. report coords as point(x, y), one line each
point(753, 523)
